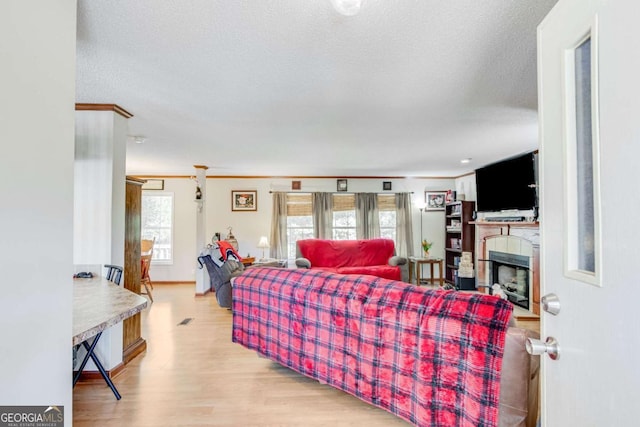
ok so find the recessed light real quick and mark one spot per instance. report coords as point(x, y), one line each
point(467, 160)
point(139, 139)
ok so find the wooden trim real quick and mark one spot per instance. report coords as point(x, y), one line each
point(202, 294)
point(201, 167)
point(104, 107)
point(129, 353)
point(135, 180)
point(175, 282)
point(95, 376)
point(465, 174)
point(516, 224)
point(291, 177)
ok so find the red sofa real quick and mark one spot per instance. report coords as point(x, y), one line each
point(375, 257)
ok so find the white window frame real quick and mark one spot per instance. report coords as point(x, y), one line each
point(145, 234)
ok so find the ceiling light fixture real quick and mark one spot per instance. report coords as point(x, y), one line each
point(465, 161)
point(139, 139)
point(347, 7)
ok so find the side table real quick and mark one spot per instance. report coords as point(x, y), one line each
point(416, 264)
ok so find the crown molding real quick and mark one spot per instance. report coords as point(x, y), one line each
point(104, 107)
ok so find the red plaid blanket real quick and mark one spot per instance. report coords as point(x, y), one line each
point(431, 357)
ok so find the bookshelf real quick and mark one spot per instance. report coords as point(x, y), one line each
point(459, 236)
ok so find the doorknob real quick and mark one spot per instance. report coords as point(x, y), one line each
point(536, 347)
point(551, 304)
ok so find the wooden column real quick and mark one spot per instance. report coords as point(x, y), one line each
point(132, 341)
point(99, 205)
point(202, 278)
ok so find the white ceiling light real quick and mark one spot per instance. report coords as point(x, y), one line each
point(465, 161)
point(347, 7)
point(139, 139)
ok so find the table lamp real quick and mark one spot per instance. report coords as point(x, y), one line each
point(263, 244)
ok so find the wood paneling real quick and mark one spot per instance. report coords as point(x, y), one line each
point(132, 342)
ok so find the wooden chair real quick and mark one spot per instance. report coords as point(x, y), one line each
point(145, 264)
point(146, 248)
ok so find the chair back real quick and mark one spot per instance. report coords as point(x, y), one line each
point(146, 246)
point(145, 265)
point(114, 273)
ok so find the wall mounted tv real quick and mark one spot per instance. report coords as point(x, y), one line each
point(507, 185)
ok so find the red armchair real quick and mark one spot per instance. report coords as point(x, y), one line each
point(375, 257)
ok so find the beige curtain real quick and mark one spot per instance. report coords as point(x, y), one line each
point(322, 206)
point(367, 220)
point(404, 227)
point(279, 244)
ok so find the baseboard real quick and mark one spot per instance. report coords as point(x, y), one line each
point(133, 350)
point(201, 294)
point(175, 282)
point(95, 376)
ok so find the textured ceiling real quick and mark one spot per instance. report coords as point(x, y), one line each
point(290, 87)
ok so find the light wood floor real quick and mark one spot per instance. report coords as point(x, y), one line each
point(193, 375)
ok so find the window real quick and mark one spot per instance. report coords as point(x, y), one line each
point(344, 217)
point(299, 221)
point(300, 218)
point(584, 160)
point(583, 246)
point(387, 215)
point(157, 222)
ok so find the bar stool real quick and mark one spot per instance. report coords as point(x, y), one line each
point(114, 273)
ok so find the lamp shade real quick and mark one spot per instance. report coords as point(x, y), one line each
point(263, 243)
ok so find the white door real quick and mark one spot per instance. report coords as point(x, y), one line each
point(589, 105)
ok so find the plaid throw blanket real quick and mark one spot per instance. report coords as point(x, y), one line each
point(431, 357)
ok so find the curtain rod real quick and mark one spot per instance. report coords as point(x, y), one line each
point(339, 192)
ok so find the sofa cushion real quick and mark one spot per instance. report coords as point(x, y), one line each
point(384, 271)
point(346, 253)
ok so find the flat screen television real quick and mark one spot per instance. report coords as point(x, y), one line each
point(507, 185)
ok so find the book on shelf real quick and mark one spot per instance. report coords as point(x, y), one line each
point(454, 243)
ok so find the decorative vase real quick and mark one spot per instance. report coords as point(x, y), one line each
point(425, 254)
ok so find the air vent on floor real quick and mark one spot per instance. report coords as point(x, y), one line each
point(185, 321)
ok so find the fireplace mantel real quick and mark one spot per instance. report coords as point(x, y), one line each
point(525, 230)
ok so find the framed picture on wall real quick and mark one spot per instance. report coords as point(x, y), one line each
point(244, 200)
point(435, 200)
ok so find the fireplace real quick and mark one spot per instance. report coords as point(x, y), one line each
point(517, 238)
point(511, 272)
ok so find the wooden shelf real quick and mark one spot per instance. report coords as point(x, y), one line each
point(459, 215)
point(499, 223)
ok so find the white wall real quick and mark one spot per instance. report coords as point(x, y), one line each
point(99, 208)
point(37, 83)
point(184, 233)
point(249, 226)
point(467, 185)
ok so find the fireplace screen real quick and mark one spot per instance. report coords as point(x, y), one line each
point(511, 272)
